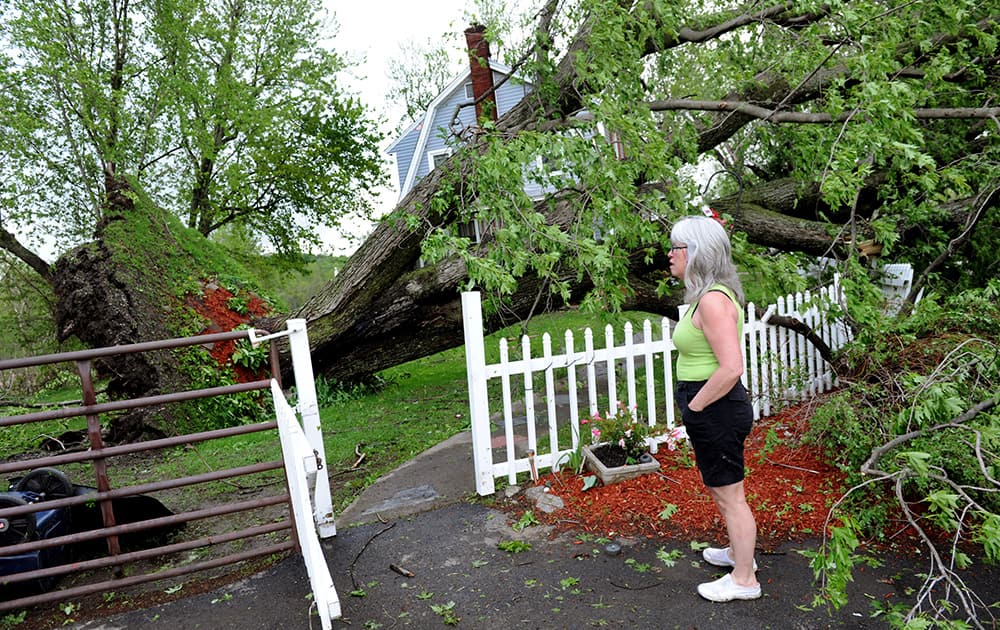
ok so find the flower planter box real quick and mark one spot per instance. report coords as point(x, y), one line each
point(616, 473)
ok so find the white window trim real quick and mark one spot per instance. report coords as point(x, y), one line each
point(544, 168)
point(433, 154)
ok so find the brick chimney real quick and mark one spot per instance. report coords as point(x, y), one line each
point(482, 76)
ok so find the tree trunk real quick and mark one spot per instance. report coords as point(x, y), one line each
point(123, 288)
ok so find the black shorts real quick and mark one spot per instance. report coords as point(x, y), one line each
point(717, 432)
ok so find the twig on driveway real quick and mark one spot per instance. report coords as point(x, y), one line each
point(374, 536)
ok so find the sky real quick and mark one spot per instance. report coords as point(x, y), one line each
point(371, 31)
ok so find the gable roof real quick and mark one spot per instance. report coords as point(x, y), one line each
point(424, 123)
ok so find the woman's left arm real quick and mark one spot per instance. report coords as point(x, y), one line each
point(718, 319)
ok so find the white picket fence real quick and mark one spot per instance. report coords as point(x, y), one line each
point(780, 367)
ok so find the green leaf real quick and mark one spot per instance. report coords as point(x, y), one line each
point(668, 511)
point(916, 460)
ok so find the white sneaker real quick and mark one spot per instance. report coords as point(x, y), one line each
point(725, 590)
point(720, 557)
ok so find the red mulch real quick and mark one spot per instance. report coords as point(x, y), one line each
point(213, 304)
point(790, 488)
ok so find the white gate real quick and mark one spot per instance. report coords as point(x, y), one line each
point(301, 469)
point(304, 456)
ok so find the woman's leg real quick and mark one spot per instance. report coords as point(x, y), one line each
point(742, 530)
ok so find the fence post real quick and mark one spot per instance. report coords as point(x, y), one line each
point(308, 408)
point(479, 411)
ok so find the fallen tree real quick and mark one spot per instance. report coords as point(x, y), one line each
point(368, 314)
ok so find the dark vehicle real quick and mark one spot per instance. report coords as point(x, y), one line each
point(37, 486)
point(47, 484)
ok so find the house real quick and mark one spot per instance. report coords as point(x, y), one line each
point(430, 140)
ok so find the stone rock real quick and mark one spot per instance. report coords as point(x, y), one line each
point(544, 499)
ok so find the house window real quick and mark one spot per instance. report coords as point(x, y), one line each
point(471, 231)
point(469, 93)
point(550, 166)
point(437, 158)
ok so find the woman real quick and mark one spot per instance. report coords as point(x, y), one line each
point(714, 405)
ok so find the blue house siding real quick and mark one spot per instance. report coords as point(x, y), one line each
point(440, 136)
point(404, 149)
point(509, 94)
point(430, 136)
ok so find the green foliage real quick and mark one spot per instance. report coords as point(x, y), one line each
point(217, 129)
point(157, 251)
point(834, 564)
point(331, 393)
point(447, 613)
point(12, 620)
point(669, 558)
point(527, 519)
point(771, 442)
point(638, 567)
point(239, 304)
point(988, 535)
point(216, 412)
point(917, 419)
point(569, 582)
point(574, 459)
point(514, 546)
point(251, 357)
point(766, 273)
point(669, 509)
point(879, 170)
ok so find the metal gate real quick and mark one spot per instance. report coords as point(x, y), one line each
point(37, 512)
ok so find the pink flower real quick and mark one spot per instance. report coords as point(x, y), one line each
point(584, 421)
point(628, 433)
point(595, 432)
point(621, 442)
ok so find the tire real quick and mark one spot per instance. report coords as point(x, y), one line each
point(49, 483)
point(16, 529)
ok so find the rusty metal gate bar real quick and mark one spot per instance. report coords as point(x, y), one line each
point(138, 447)
point(99, 453)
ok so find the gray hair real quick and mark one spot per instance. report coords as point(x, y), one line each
point(709, 257)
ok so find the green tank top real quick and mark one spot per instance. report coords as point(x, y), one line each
point(695, 359)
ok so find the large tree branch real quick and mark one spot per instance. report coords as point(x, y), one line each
point(777, 116)
point(10, 243)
